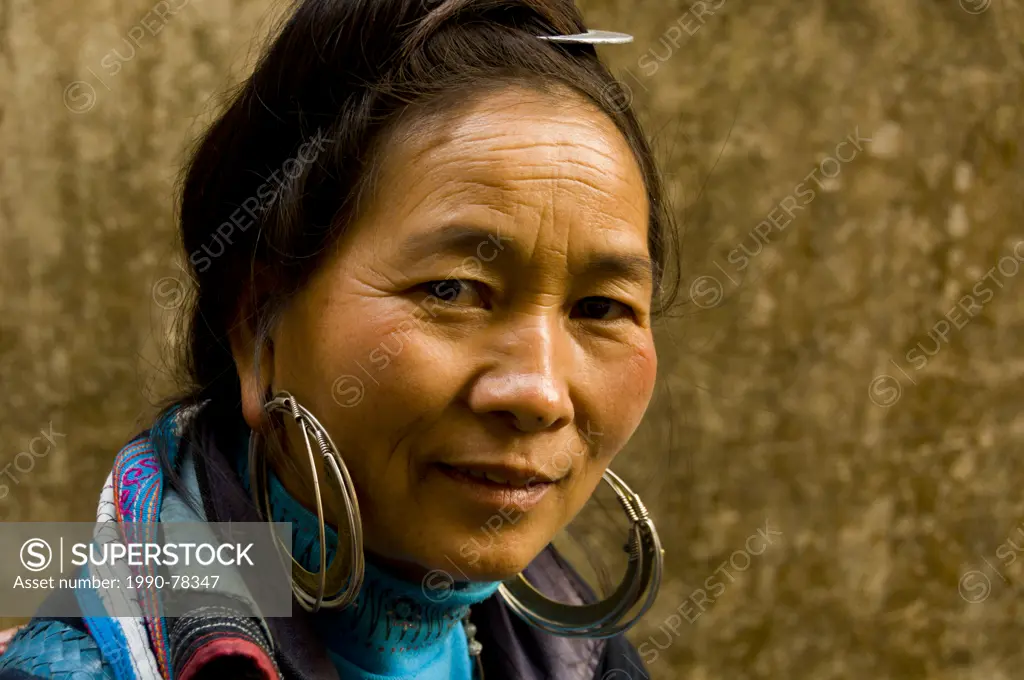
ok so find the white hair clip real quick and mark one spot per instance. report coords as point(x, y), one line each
point(591, 37)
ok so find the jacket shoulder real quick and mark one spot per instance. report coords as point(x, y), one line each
point(53, 648)
point(622, 661)
point(514, 650)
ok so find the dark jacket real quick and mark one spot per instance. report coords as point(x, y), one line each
point(51, 647)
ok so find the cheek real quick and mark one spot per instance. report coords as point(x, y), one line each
point(643, 368)
point(410, 369)
point(631, 379)
point(368, 361)
point(368, 371)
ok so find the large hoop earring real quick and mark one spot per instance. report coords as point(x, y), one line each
point(332, 586)
point(606, 618)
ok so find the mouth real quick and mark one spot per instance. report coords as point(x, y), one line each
point(502, 474)
point(499, 485)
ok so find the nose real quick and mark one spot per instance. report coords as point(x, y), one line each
point(527, 386)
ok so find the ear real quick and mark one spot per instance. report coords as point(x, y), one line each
point(255, 367)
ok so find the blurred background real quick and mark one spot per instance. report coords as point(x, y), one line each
point(831, 455)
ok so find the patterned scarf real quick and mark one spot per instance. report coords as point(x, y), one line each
point(140, 647)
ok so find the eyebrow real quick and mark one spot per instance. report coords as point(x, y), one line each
point(639, 268)
point(462, 239)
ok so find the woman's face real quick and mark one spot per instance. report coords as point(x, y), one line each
point(479, 344)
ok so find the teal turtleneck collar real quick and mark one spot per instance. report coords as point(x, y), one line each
point(393, 630)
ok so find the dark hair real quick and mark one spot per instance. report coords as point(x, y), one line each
point(258, 214)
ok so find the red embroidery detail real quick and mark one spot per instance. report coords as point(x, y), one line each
point(220, 647)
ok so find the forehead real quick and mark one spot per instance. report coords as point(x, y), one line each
point(517, 158)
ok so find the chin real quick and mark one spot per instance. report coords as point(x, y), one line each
point(488, 568)
point(483, 558)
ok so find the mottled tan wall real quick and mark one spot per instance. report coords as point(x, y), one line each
point(793, 396)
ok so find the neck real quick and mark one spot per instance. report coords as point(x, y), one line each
point(393, 628)
point(406, 571)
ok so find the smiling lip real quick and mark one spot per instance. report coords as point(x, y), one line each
point(497, 485)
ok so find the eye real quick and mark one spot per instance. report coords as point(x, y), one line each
point(601, 309)
point(456, 292)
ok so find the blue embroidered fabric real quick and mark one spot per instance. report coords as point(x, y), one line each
point(54, 649)
point(394, 630)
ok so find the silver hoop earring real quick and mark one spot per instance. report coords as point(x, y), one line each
point(606, 618)
point(332, 586)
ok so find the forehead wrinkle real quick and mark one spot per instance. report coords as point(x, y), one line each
point(475, 190)
point(582, 143)
point(607, 163)
point(511, 198)
point(595, 168)
point(507, 132)
point(555, 181)
point(494, 179)
point(487, 189)
point(488, 167)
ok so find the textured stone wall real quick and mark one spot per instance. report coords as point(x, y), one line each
point(832, 453)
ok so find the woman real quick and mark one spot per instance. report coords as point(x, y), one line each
point(428, 248)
